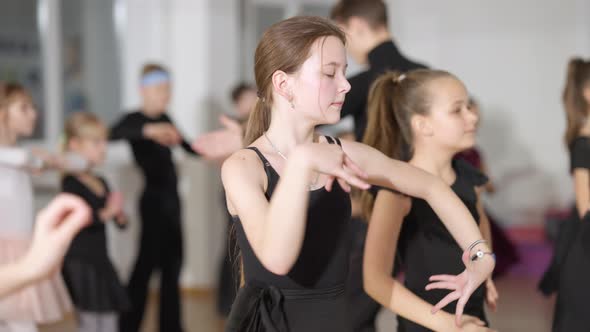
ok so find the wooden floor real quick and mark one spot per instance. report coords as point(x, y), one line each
point(521, 309)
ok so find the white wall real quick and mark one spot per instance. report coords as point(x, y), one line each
point(512, 56)
point(187, 37)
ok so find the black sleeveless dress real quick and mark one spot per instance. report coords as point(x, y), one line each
point(311, 296)
point(87, 269)
point(427, 248)
point(572, 311)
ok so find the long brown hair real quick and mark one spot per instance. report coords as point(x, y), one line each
point(393, 99)
point(284, 46)
point(576, 106)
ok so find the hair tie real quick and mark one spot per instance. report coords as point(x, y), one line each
point(400, 78)
point(155, 77)
point(260, 96)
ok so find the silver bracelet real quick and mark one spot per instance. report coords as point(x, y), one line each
point(474, 244)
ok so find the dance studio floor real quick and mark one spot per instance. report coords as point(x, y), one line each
point(521, 309)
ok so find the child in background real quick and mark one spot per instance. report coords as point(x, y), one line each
point(152, 135)
point(46, 301)
point(571, 309)
point(96, 291)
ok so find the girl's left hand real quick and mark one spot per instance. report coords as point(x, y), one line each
point(491, 295)
point(121, 219)
point(115, 203)
point(462, 285)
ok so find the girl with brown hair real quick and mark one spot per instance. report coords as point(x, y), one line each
point(571, 309)
point(422, 117)
point(288, 191)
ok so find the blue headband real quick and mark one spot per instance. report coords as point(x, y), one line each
point(155, 77)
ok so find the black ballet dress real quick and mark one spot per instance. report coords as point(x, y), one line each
point(310, 298)
point(87, 270)
point(572, 311)
point(427, 248)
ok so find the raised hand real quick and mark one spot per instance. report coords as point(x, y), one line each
point(162, 133)
point(113, 207)
point(46, 160)
point(219, 144)
point(331, 160)
point(56, 225)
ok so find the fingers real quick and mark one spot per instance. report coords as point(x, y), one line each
point(329, 183)
point(165, 134)
point(492, 297)
point(445, 301)
point(492, 290)
point(115, 201)
point(74, 222)
point(352, 179)
point(66, 212)
point(354, 167)
point(461, 307)
point(467, 319)
point(443, 277)
point(492, 304)
point(218, 144)
point(442, 285)
point(344, 185)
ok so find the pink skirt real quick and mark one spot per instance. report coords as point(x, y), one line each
point(44, 302)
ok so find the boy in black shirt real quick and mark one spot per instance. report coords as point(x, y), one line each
point(369, 42)
point(151, 134)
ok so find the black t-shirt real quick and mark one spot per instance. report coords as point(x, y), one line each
point(580, 153)
point(153, 159)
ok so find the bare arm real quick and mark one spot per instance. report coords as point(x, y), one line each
point(485, 227)
point(412, 181)
point(14, 277)
point(274, 229)
point(484, 222)
point(55, 228)
point(15, 157)
point(582, 189)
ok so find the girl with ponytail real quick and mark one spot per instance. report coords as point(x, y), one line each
point(422, 117)
point(288, 190)
point(571, 309)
